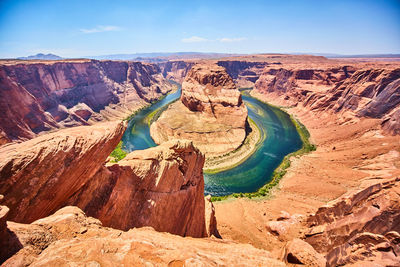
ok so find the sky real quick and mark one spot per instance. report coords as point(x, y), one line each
point(73, 28)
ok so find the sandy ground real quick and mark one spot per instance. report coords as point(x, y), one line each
point(348, 157)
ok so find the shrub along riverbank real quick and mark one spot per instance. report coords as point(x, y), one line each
point(281, 170)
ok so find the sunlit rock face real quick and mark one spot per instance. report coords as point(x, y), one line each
point(210, 112)
point(42, 96)
point(161, 187)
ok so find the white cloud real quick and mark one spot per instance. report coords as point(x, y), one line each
point(194, 39)
point(101, 28)
point(230, 40)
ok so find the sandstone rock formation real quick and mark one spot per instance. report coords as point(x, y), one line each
point(361, 226)
point(38, 176)
point(351, 91)
point(39, 96)
point(298, 251)
point(68, 237)
point(211, 112)
point(162, 187)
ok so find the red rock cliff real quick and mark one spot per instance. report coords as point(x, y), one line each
point(162, 187)
point(36, 97)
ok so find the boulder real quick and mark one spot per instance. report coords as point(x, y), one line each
point(298, 251)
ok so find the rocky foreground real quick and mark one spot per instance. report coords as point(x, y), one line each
point(210, 112)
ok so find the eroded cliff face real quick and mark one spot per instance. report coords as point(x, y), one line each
point(211, 112)
point(161, 187)
point(38, 176)
point(347, 91)
point(362, 226)
point(176, 70)
point(69, 237)
point(36, 97)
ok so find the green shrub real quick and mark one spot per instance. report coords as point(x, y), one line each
point(118, 153)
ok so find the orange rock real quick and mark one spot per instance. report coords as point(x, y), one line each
point(161, 187)
point(69, 237)
point(211, 112)
point(38, 176)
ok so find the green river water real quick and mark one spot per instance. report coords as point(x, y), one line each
point(279, 138)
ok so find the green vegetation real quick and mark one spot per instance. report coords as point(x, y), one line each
point(118, 153)
point(279, 172)
point(153, 116)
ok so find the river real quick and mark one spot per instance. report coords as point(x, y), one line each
point(278, 134)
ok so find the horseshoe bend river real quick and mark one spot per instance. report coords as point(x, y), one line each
point(279, 137)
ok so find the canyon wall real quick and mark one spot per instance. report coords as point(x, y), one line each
point(40, 96)
point(244, 73)
point(210, 112)
point(351, 92)
point(162, 187)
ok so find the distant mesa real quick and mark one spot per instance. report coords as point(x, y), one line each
point(41, 56)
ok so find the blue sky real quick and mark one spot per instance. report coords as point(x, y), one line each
point(86, 28)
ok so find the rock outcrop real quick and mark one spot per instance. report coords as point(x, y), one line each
point(68, 237)
point(39, 175)
point(40, 96)
point(361, 226)
point(349, 91)
point(298, 251)
point(211, 112)
point(162, 187)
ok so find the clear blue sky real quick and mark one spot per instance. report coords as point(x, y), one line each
point(86, 28)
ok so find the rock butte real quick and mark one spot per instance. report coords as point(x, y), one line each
point(210, 112)
point(338, 205)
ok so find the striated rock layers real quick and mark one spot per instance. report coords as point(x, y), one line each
point(360, 227)
point(39, 96)
point(39, 175)
point(360, 91)
point(162, 187)
point(69, 238)
point(211, 112)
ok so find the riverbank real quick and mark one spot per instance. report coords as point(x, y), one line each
point(239, 155)
point(347, 157)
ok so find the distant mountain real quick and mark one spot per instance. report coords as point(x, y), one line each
point(162, 55)
point(41, 57)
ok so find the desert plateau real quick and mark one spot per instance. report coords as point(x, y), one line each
point(222, 157)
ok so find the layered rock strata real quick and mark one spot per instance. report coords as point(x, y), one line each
point(351, 91)
point(161, 187)
point(375, 209)
point(68, 237)
point(40, 96)
point(210, 112)
point(39, 175)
